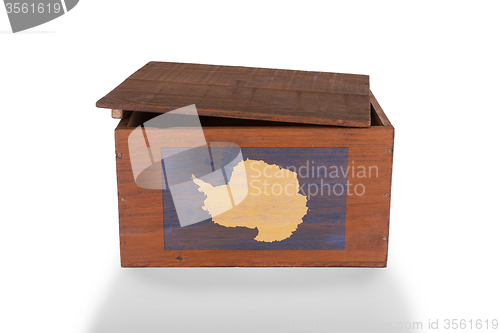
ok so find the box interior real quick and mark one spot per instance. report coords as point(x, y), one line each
point(137, 118)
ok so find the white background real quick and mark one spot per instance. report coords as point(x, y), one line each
point(433, 66)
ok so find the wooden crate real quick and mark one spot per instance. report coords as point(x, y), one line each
point(290, 119)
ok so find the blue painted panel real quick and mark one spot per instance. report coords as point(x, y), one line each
point(323, 227)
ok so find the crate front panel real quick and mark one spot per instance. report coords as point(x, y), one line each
point(364, 228)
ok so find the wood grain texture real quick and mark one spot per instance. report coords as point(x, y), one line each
point(246, 93)
point(116, 114)
point(380, 115)
point(367, 216)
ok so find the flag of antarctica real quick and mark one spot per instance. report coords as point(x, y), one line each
point(277, 199)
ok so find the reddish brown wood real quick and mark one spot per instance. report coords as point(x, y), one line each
point(367, 222)
point(246, 93)
point(380, 114)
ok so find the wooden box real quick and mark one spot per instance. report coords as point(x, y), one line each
point(316, 150)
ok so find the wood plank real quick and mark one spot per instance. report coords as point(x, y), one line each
point(367, 216)
point(378, 109)
point(246, 93)
point(116, 114)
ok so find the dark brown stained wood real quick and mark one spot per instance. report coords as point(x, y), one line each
point(367, 216)
point(246, 93)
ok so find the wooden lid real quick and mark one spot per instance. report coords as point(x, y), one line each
point(246, 93)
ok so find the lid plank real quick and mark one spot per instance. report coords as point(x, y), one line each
point(247, 93)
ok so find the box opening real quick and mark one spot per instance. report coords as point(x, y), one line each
point(138, 118)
